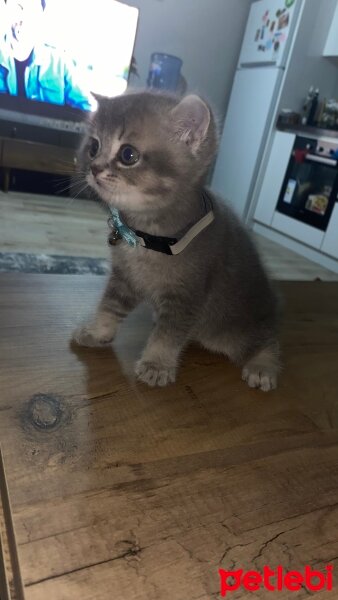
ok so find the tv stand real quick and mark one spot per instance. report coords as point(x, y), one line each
point(35, 156)
point(38, 144)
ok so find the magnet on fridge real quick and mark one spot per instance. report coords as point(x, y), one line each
point(257, 36)
point(283, 21)
point(290, 190)
point(268, 45)
point(262, 33)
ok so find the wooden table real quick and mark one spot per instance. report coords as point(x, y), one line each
point(124, 492)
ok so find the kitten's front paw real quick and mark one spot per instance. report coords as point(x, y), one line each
point(154, 373)
point(85, 336)
point(96, 333)
point(260, 377)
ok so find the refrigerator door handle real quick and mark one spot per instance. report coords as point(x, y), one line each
point(254, 65)
point(321, 159)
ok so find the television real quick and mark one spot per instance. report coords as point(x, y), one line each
point(56, 55)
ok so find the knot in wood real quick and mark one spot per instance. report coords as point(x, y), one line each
point(45, 412)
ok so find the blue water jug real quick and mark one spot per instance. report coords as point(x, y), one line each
point(164, 72)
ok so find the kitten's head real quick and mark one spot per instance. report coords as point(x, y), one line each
point(143, 149)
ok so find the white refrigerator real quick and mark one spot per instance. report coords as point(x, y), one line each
point(257, 84)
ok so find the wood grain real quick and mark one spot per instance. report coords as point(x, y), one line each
point(122, 491)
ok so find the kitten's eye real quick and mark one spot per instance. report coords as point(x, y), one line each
point(93, 147)
point(128, 155)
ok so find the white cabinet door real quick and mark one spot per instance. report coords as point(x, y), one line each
point(330, 243)
point(274, 175)
point(331, 46)
point(301, 232)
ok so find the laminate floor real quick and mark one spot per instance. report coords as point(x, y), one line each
point(77, 227)
point(52, 225)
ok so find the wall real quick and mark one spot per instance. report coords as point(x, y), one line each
point(308, 66)
point(205, 34)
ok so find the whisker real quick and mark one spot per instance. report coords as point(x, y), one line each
point(80, 191)
point(64, 189)
point(68, 188)
point(59, 182)
point(71, 182)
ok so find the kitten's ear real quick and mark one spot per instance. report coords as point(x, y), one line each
point(191, 119)
point(99, 99)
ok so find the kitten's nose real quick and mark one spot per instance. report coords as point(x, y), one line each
point(96, 169)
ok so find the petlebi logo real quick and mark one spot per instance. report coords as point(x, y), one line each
point(276, 580)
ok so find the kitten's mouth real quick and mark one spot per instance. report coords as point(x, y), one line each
point(105, 188)
point(103, 183)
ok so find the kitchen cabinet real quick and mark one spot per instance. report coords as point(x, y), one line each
point(274, 175)
point(331, 46)
point(302, 232)
point(330, 243)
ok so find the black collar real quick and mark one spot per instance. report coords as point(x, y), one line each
point(167, 245)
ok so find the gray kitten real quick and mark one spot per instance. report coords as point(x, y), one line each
point(147, 154)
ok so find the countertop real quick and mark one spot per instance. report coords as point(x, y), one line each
point(307, 130)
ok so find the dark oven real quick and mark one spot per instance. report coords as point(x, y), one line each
point(310, 186)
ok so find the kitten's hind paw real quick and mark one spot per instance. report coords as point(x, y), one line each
point(258, 377)
point(262, 369)
point(154, 373)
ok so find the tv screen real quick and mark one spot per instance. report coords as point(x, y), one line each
point(59, 53)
